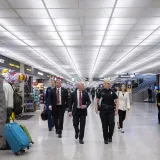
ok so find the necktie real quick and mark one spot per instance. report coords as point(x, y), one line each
point(80, 98)
point(58, 100)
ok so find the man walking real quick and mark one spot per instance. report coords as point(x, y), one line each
point(58, 102)
point(79, 103)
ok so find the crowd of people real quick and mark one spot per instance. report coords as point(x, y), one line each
point(109, 103)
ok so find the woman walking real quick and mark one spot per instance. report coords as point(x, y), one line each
point(124, 105)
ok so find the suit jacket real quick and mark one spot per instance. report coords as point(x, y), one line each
point(48, 91)
point(73, 102)
point(53, 99)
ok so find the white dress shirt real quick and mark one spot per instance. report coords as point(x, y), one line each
point(124, 102)
point(60, 96)
point(78, 92)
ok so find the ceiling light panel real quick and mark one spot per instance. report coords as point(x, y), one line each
point(16, 43)
point(41, 22)
point(92, 42)
point(11, 21)
point(61, 3)
point(111, 42)
point(94, 28)
point(53, 42)
point(26, 37)
point(95, 21)
point(94, 33)
point(7, 13)
point(145, 27)
point(73, 37)
point(23, 33)
point(34, 42)
point(96, 4)
point(73, 42)
point(133, 3)
point(116, 33)
point(18, 28)
point(47, 35)
point(152, 12)
point(115, 37)
point(67, 22)
point(58, 49)
point(32, 13)
point(149, 21)
point(26, 4)
point(127, 12)
point(123, 21)
point(68, 28)
point(73, 33)
point(43, 28)
point(120, 27)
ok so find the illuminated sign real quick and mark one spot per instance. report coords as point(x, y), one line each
point(2, 60)
point(13, 65)
point(40, 73)
point(28, 69)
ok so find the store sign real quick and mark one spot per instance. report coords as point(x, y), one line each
point(28, 69)
point(12, 64)
point(2, 60)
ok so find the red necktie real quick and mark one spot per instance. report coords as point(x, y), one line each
point(58, 100)
point(80, 98)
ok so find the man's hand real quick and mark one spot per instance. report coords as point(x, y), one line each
point(70, 114)
point(96, 110)
point(116, 112)
point(83, 106)
point(50, 108)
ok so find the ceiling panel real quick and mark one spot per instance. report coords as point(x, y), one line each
point(95, 21)
point(127, 12)
point(34, 42)
point(96, 4)
point(120, 27)
point(111, 42)
point(43, 28)
point(11, 21)
point(94, 33)
point(124, 21)
point(67, 22)
point(68, 28)
point(53, 43)
point(92, 42)
point(3, 4)
point(94, 27)
point(26, 4)
point(47, 35)
point(133, 3)
point(73, 42)
point(7, 13)
point(18, 28)
point(61, 3)
point(43, 22)
point(32, 13)
point(149, 21)
point(145, 27)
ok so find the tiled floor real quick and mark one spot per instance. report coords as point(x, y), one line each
point(141, 140)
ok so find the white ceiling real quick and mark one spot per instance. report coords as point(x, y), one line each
point(90, 38)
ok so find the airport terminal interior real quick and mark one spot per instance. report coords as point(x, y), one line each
point(100, 56)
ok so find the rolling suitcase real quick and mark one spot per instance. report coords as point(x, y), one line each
point(27, 133)
point(16, 138)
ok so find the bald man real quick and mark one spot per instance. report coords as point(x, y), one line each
point(58, 102)
point(79, 103)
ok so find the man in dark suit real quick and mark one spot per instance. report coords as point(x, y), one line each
point(58, 101)
point(79, 103)
point(49, 112)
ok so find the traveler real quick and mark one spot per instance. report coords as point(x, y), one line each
point(3, 117)
point(58, 102)
point(93, 93)
point(124, 105)
point(108, 109)
point(49, 112)
point(158, 106)
point(79, 103)
point(150, 94)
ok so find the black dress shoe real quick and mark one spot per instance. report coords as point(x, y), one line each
point(110, 140)
point(59, 136)
point(76, 135)
point(81, 141)
point(56, 132)
point(106, 142)
point(4, 147)
point(50, 129)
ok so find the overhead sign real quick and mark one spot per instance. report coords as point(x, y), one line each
point(12, 64)
point(85, 79)
point(3, 61)
point(28, 69)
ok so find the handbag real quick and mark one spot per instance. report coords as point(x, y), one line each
point(44, 115)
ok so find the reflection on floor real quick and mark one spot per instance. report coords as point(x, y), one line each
point(140, 141)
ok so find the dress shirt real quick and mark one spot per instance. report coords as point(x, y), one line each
point(60, 96)
point(78, 102)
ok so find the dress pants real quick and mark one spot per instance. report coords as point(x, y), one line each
point(158, 114)
point(58, 117)
point(122, 116)
point(50, 119)
point(108, 123)
point(79, 117)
